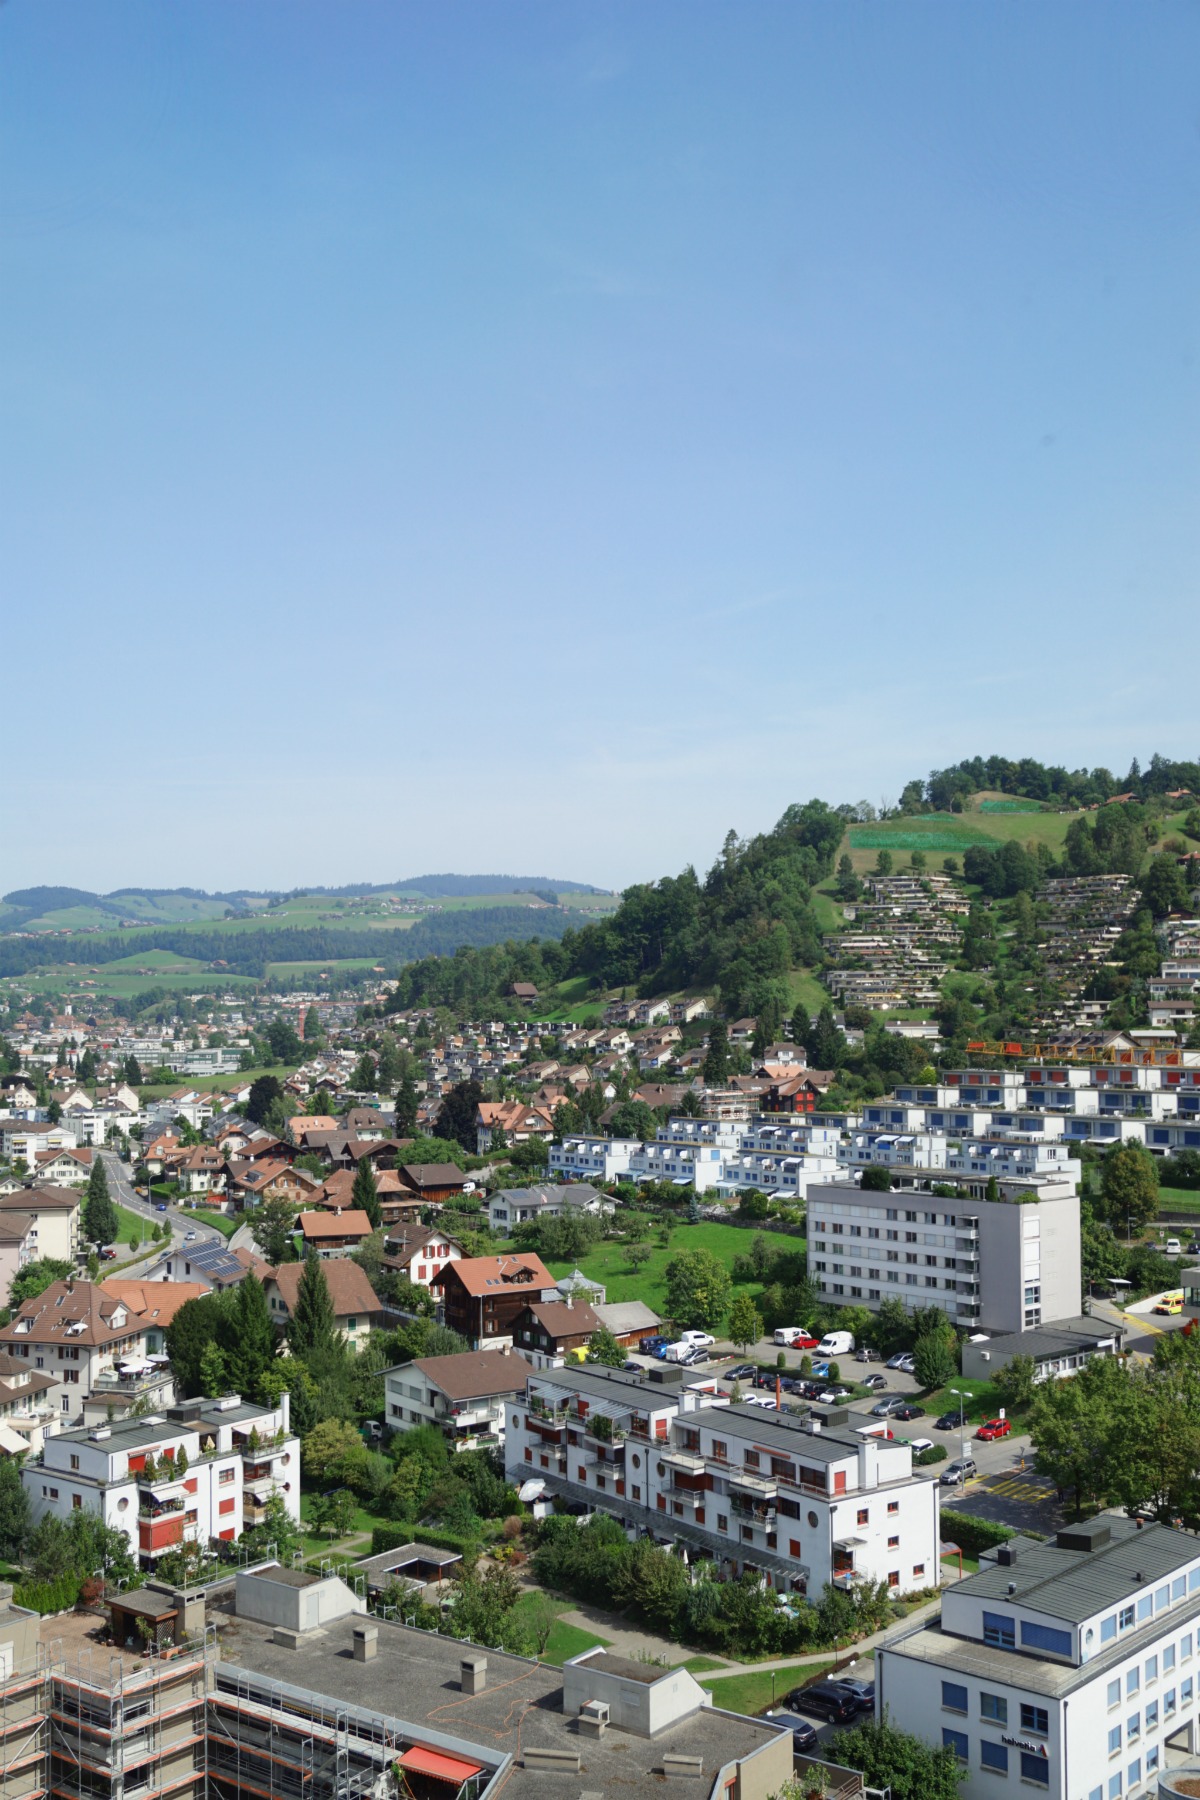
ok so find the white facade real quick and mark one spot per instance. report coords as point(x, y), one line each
point(202, 1472)
point(757, 1489)
point(1067, 1670)
point(592, 1158)
point(1003, 1265)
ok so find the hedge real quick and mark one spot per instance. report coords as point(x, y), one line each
point(973, 1535)
point(49, 1596)
point(390, 1537)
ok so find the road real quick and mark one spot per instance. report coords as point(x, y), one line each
point(120, 1186)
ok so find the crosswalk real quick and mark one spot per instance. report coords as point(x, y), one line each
point(1019, 1484)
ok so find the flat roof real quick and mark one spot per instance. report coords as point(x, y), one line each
point(1077, 1584)
point(520, 1707)
point(614, 1384)
point(779, 1431)
point(1053, 1338)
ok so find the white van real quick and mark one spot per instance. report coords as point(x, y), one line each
point(676, 1352)
point(836, 1343)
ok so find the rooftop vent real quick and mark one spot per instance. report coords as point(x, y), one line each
point(1089, 1536)
point(1006, 1555)
point(98, 1436)
point(473, 1673)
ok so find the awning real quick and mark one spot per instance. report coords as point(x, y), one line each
point(436, 1762)
point(529, 1490)
point(11, 1442)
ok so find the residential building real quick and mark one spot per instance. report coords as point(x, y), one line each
point(1067, 1667)
point(202, 1472)
point(334, 1234)
point(56, 1213)
point(999, 1265)
point(592, 1158)
point(509, 1207)
point(482, 1296)
point(548, 1332)
point(65, 1168)
point(355, 1302)
point(210, 1262)
point(519, 1123)
point(18, 1246)
point(434, 1183)
point(628, 1320)
point(463, 1395)
point(27, 1409)
point(1058, 1349)
point(756, 1490)
point(419, 1252)
point(155, 1303)
point(77, 1334)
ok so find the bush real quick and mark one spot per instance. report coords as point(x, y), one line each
point(936, 1453)
point(972, 1535)
point(390, 1537)
point(49, 1596)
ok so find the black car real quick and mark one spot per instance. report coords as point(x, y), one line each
point(947, 1422)
point(909, 1412)
point(804, 1739)
point(827, 1700)
point(632, 1368)
point(742, 1372)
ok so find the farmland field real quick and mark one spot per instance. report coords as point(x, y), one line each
point(949, 834)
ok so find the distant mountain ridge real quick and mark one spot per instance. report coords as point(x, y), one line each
point(34, 901)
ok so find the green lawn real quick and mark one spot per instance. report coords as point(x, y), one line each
point(128, 1222)
point(570, 1640)
point(984, 1403)
point(943, 834)
point(609, 1262)
point(217, 1220)
point(700, 1665)
point(754, 1692)
point(1175, 1199)
point(804, 986)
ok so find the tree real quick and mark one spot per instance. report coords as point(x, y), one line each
point(1129, 1186)
point(132, 1071)
point(365, 1192)
point(934, 1360)
point(36, 1277)
point(698, 1289)
point(99, 1213)
point(883, 863)
point(716, 1057)
point(1077, 1427)
point(14, 1510)
point(263, 1094)
point(633, 1119)
point(1017, 1380)
point(326, 1449)
point(197, 1326)
point(312, 1028)
point(604, 1348)
point(877, 1179)
point(406, 1108)
point(888, 1757)
point(364, 1077)
point(1165, 888)
point(745, 1325)
point(256, 1343)
point(456, 1118)
point(273, 1227)
point(313, 1325)
point(639, 1256)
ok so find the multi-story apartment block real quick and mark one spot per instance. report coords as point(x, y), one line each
point(1067, 1667)
point(1004, 1265)
point(598, 1159)
point(464, 1395)
point(754, 1489)
point(202, 1471)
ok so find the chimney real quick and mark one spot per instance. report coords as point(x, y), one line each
point(570, 1299)
point(473, 1672)
point(366, 1642)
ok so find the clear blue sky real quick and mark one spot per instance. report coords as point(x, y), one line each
point(540, 437)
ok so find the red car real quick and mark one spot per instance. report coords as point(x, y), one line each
point(995, 1428)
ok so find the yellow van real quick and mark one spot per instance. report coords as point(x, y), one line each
point(1171, 1303)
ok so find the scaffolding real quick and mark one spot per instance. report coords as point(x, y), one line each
point(271, 1742)
point(130, 1728)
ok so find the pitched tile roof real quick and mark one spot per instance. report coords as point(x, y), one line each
point(482, 1275)
point(349, 1289)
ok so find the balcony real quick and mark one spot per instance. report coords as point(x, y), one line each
point(687, 1460)
point(156, 1535)
point(759, 1487)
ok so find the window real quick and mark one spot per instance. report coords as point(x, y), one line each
point(954, 1697)
point(1185, 1647)
point(1152, 1760)
point(1045, 1637)
point(1168, 1659)
point(1151, 1669)
point(893, 1578)
point(1114, 1740)
point(1035, 1718)
point(994, 1707)
point(1000, 1632)
point(1185, 1692)
point(993, 1756)
point(1126, 1617)
point(956, 1741)
point(1162, 1598)
point(1108, 1628)
point(1132, 1681)
point(893, 1506)
point(893, 1543)
point(1133, 1728)
point(1114, 1692)
point(1193, 1580)
point(1133, 1773)
point(226, 1506)
point(918, 1571)
point(74, 1461)
point(1145, 1606)
point(1114, 1787)
point(76, 1503)
point(1168, 1703)
point(1179, 1587)
point(1035, 1767)
point(1152, 1716)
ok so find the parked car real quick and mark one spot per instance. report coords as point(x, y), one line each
point(908, 1411)
point(1193, 1248)
point(804, 1739)
point(795, 1337)
point(994, 1428)
point(821, 1369)
point(865, 1354)
point(917, 1445)
point(766, 1401)
point(108, 1254)
point(958, 1471)
point(699, 1340)
point(188, 1236)
point(836, 1343)
point(883, 1409)
point(949, 1421)
point(831, 1395)
point(1171, 1304)
point(861, 1692)
point(650, 1346)
point(827, 1700)
point(1173, 1247)
point(902, 1360)
point(876, 1383)
point(631, 1368)
point(742, 1372)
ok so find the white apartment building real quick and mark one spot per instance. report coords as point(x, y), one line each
point(464, 1396)
point(754, 1489)
point(596, 1159)
point(204, 1470)
point(1000, 1265)
point(1066, 1667)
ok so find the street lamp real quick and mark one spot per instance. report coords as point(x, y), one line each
point(962, 1400)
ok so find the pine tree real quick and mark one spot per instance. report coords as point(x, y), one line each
point(716, 1058)
point(99, 1213)
point(256, 1344)
point(406, 1108)
point(365, 1193)
point(313, 1326)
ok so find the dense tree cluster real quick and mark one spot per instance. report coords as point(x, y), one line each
point(1032, 780)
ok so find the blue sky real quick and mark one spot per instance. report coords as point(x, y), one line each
point(541, 437)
